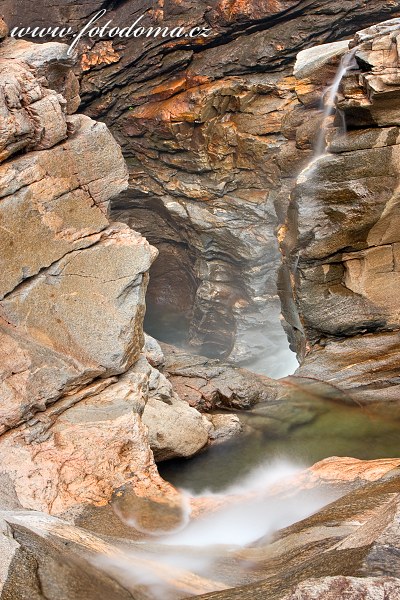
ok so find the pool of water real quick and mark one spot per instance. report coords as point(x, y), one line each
point(338, 430)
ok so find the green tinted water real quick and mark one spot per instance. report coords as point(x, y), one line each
point(338, 430)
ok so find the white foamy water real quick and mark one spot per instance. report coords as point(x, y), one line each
point(183, 563)
point(255, 516)
point(347, 63)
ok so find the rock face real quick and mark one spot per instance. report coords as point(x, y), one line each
point(73, 379)
point(331, 588)
point(341, 239)
point(211, 154)
point(349, 547)
point(207, 159)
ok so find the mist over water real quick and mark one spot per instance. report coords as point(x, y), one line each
point(203, 555)
point(255, 516)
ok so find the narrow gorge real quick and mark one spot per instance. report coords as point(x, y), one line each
point(199, 302)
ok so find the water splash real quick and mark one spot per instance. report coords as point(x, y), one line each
point(347, 63)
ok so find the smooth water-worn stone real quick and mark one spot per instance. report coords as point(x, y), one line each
point(334, 545)
point(311, 61)
point(175, 429)
point(59, 560)
point(345, 473)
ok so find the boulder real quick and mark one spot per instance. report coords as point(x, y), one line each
point(225, 427)
point(44, 318)
point(175, 429)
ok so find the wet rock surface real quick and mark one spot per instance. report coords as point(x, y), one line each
point(200, 125)
point(341, 235)
point(350, 546)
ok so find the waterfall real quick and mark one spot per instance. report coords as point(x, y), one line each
point(347, 63)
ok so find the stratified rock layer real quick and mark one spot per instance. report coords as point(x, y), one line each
point(341, 240)
point(200, 122)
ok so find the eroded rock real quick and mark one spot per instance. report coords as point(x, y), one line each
point(209, 165)
point(341, 236)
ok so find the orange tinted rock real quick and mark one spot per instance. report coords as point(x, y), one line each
point(103, 53)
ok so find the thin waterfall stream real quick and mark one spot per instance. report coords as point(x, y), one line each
point(347, 63)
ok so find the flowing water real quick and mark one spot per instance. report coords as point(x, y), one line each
point(209, 553)
point(213, 552)
point(347, 63)
point(336, 430)
point(204, 554)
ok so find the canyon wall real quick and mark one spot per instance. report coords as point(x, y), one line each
point(213, 152)
point(341, 238)
point(79, 388)
point(212, 166)
point(210, 169)
point(72, 292)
